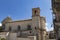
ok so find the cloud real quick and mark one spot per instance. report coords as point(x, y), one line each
point(48, 27)
point(0, 24)
point(46, 24)
point(51, 28)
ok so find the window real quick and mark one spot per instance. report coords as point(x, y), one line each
point(35, 28)
point(9, 28)
point(19, 28)
point(30, 31)
point(29, 27)
point(3, 26)
point(35, 11)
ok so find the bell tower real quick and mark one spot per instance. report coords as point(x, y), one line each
point(35, 12)
point(36, 17)
point(36, 21)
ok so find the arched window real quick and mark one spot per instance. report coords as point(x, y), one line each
point(29, 27)
point(19, 28)
point(9, 28)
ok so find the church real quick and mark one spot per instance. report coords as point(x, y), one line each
point(29, 29)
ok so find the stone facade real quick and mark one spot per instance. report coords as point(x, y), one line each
point(26, 29)
point(56, 17)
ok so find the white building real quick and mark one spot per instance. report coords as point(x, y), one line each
point(30, 29)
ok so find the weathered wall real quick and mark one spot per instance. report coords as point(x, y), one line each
point(51, 39)
point(23, 39)
point(14, 25)
point(28, 38)
point(12, 36)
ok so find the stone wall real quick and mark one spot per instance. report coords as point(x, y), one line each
point(23, 39)
point(12, 36)
point(51, 39)
point(14, 25)
point(28, 38)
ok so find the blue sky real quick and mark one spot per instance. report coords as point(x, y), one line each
point(22, 9)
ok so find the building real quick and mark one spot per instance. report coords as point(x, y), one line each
point(56, 17)
point(30, 29)
point(50, 35)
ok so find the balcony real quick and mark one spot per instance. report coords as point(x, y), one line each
point(57, 6)
point(56, 21)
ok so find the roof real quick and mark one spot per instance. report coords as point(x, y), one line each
point(7, 18)
point(20, 21)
